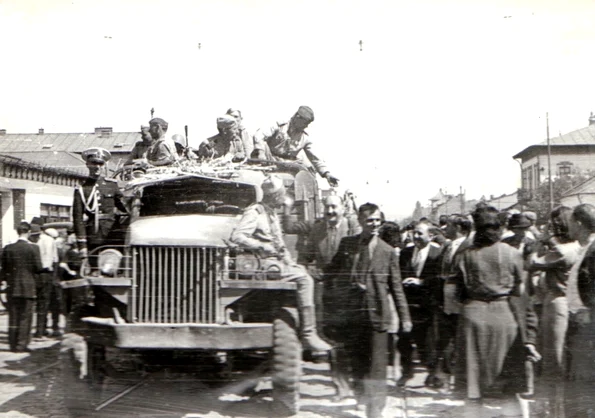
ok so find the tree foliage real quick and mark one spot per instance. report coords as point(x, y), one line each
point(539, 201)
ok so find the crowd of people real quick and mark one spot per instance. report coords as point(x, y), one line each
point(484, 301)
point(489, 303)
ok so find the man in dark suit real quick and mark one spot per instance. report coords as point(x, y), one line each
point(365, 271)
point(20, 262)
point(420, 269)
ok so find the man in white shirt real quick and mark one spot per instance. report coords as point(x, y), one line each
point(49, 259)
point(420, 270)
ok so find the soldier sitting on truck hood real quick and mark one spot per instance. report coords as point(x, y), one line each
point(259, 230)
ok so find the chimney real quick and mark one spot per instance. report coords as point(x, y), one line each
point(591, 119)
point(103, 131)
point(2, 131)
point(40, 131)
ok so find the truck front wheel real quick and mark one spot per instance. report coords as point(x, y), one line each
point(287, 359)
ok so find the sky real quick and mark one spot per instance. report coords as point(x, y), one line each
point(441, 95)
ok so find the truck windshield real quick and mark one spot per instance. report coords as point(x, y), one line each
point(196, 195)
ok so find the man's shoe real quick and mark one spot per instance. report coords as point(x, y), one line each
point(57, 333)
point(402, 382)
point(433, 381)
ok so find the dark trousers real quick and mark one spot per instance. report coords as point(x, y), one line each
point(20, 319)
point(445, 329)
point(44, 290)
point(421, 336)
point(56, 305)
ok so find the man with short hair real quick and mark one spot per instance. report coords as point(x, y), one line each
point(163, 150)
point(139, 152)
point(95, 203)
point(284, 141)
point(420, 269)
point(228, 143)
point(365, 272)
point(259, 231)
point(20, 263)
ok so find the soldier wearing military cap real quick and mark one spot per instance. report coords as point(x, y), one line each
point(162, 150)
point(95, 202)
point(284, 140)
point(231, 141)
point(259, 230)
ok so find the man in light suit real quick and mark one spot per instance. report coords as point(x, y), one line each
point(420, 269)
point(365, 271)
point(21, 263)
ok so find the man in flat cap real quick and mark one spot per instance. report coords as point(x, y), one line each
point(259, 230)
point(95, 202)
point(284, 141)
point(228, 143)
point(163, 150)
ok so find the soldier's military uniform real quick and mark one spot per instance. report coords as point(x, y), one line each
point(259, 226)
point(278, 143)
point(94, 206)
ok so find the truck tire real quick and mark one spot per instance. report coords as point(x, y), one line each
point(82, 378)
point(286, 360)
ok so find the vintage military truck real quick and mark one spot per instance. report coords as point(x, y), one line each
point(175, 284)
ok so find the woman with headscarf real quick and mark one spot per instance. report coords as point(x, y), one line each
point(491, 276)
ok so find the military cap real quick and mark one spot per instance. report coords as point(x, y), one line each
point(96, 155)
point(160, 122)
point(306, 113)
point(532, 216)
point(179, 139)
point(272, 185)
point(226, 121)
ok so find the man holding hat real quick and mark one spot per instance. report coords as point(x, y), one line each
point(259, 230)
point(284, 141)
point(95, 202)
point(163, 150)
point(229, 142)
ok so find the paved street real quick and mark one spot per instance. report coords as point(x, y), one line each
point(30, 386)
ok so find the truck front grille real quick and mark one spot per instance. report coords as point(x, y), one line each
point(175, 284)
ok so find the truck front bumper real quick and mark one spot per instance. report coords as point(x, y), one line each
point(236, 336)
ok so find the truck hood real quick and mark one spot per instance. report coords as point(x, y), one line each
point(185, 230)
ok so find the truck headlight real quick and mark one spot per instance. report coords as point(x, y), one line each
point(109, 261)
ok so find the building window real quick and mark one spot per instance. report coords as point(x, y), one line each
point(54, 213)
point(564, 168)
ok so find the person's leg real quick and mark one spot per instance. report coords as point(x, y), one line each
point(42, 303)
point(376, 377)
point(13, 315)
point(305, 302)
point(27, 323)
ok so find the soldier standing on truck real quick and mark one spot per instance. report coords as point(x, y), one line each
point(162, 150)
point(259, 230)
point(284, 141)
point(95, 201)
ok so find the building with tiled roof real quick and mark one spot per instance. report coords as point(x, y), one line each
point(38, 172)
point(571, 153)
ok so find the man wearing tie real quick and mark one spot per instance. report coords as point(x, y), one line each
point(365, 271)
point(420, 268)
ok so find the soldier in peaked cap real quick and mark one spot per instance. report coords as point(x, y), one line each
point(259, 230)
point(284, 141)
point(95, 202)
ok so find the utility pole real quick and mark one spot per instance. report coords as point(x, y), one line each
point(462, 199)
point(549, 162)
point(152, 112)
